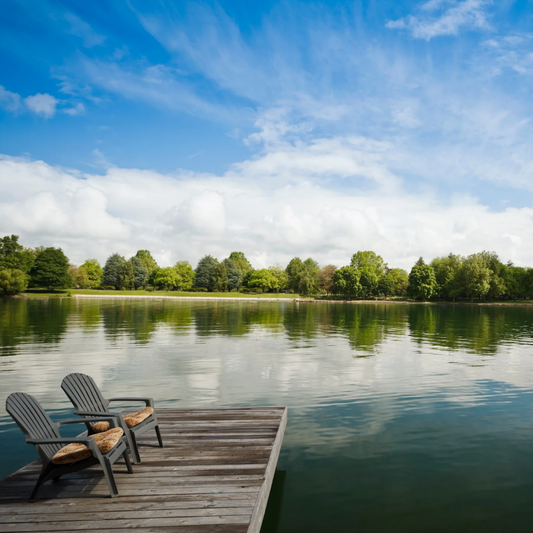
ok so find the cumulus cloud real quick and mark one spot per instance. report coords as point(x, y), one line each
point(42, 104)
point(444, 17)
point(8, 100)
point(255, 208)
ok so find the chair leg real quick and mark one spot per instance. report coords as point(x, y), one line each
point(42, 478)
point(128, 462)
point(132, 442)
point(107, 467)
point(158, 433)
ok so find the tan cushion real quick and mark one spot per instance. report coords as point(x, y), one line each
point(100, 427)
point(138, 417)
point(77, 452)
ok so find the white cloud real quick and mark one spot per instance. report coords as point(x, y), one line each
point(8, 100)
point(272, 207)
point(83, 30)
point(444, 17)
point(78, 109)
point(42, 104)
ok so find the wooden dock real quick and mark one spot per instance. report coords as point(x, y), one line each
point(214, 475)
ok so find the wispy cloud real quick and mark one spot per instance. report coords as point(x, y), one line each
point(444, 17)
point(81, 29)
point(8, 100)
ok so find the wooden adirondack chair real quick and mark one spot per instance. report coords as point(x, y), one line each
point(43, 433)
point(89, 402)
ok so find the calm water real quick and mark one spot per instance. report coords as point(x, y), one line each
point(403, 418)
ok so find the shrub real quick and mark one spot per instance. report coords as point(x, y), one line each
point(12, 281)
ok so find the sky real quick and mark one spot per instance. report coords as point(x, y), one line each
point(276, 128)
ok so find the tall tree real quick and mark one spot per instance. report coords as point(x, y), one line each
point(294, 270)
point(14, 256)
point(203, 275)
point(219, 281)
point(279, 273)
point(148, 261)
point(347, 281)
point(140, 272)
point(422, 282)
point(474, 276)
point(325, 278)
point(399, 281)
point(50, 270)
point(372, 268)
point(112, 270)
point(446, 271)
point(94, 272)
point(186, 274)
point(80, 279)
point(234, 274)
point(241, 262)
point(126, 276)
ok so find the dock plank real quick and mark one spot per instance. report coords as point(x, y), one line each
point(214, 474)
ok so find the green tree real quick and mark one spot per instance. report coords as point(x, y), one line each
point(167, 278)
point(446, 271)
point(234, 274)
point(203, 275)
point(263, 279)
point(148, 261)
point(399, 281)
point(94, 272)
point(12, 281)
point(140, 272)
point(496, 283)
point(347, 281)
point(279, 273)
point(186, 274)
point(372, 268)
point(126, 276)
point(474, 277)
point(219, 282)
point(241, 262)
point(14, 256)
point(293, 270)
point(50, 270)
point(422, 282)
point(325, 278)
point(515, 281)
point(112, 269)
point(80, 279)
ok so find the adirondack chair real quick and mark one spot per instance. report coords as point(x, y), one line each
point(43, 433)
point(89, 402)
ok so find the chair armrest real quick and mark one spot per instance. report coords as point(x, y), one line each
point(95, 413)
point(148, 401)
point(62, 440)
point(84, 420)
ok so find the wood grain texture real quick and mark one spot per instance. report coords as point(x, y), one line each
point(214, 474)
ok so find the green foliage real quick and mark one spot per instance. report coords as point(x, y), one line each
point(325, 278)
point(303, 276)
point(516, 281)
point(186, 274)
point(372, 268)
point(80, 279)
point(347, 281)
point(422, 282)
point(50, 270)
point(241, 262)
point(94, 272)
point(293, 270)
point(234, 274)
point(112, 269)
point(263, 279)
point(204, 272)
point(279, 273)
point(474, 276)
point(219, 282)
point(148, 261)
point(12, 281)
point(14, 256)
point(140, 272)
point(446, 271)
point(126, 276)
point(167, 278)
point(394, 282)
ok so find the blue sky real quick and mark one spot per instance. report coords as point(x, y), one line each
point(279, 128)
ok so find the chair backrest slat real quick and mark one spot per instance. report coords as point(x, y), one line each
point(84, 393)
point(32, 419)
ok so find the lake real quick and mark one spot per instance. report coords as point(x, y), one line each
point(402, 418)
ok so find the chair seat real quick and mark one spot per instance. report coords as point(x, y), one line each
point(71, 453)
point(131, 420)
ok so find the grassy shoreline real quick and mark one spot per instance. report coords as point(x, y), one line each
point(174, 295)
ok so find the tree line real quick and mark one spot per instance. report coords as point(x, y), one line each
point(481, 275)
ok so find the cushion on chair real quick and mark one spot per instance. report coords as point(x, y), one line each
point(131, 420)
point(138, 417)
point(77, 452)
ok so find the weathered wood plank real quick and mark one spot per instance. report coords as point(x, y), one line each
point(214, 474)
